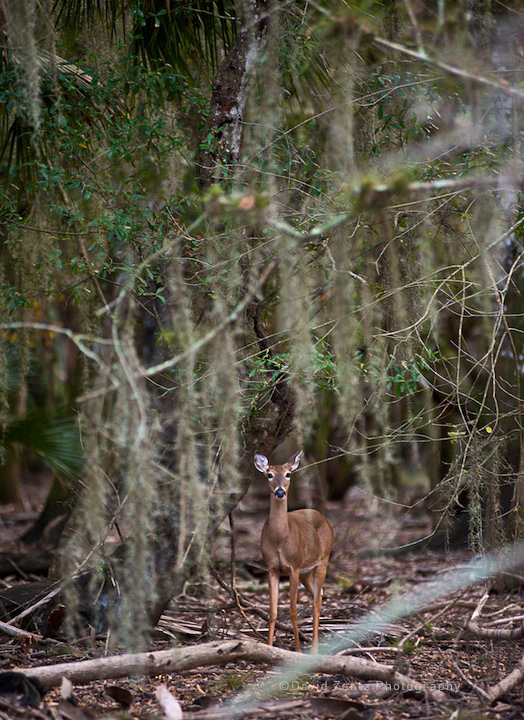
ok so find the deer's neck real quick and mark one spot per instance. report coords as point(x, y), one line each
point(278, 522)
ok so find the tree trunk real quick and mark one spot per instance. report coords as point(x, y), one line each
point(10, 474)
point(54, 515)
point(222, 140)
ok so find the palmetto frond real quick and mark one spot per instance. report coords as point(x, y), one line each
point(52, 436)
point(183, 34)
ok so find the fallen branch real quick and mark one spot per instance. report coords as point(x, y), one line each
point(474, 628)
point(516, 633)
point(515, 678)
point(18, 632)
point(216, 653)
point(483, 695)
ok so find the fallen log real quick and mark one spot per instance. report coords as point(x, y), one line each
point(516, 633)
point(508, 683)
point(215, 653)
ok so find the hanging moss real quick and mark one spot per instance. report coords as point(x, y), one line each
point(382, 296)
point(21, 15)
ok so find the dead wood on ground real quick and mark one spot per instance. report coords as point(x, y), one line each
point(217, 653)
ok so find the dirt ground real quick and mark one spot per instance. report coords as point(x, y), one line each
point(431, 647)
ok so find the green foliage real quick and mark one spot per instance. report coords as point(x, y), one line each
point(45, 431)
point(325, 365)
point(382, 298)
point(180, 35)
point(156, 32)
point(72, 17)
point(395, 99)
point(410, 647)
point(268, 369)
point(403, 377)
point(94, 166)
point(303, 69)
point(232, 682)
point(51, 436)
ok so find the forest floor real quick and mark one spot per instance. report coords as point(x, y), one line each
point(431, 647)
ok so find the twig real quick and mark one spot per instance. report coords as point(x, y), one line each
point(77, 339)
point(370, 649)
point(476, 688)
point(505, 620)
point(499, 85)
point(414, 24)
point(476, 612)
point(233, 557)
point(234, 591)
point(35, 605)
point(423, 624)
point(230, 319)
point(35, 637)
point(369, 196)
point(258, 709)
point(18, 632)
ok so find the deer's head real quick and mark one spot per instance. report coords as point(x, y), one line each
point(278, 476)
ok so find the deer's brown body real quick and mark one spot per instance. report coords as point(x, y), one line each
point(297, 544)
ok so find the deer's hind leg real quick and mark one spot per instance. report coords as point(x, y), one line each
point(307, 581)
point(313, 581)
point(317, 583)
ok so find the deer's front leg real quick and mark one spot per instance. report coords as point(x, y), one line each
point(293, 595)
point(273, 580)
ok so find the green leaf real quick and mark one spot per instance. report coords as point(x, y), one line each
point(51, 436)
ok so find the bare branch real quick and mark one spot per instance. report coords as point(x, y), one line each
point(512, 680)
point(217, 653)
point(498, 85)
point(231, 318)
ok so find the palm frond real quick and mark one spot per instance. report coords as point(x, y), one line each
point(51, 436)
point(73, 15)
point(183, 34)
point(161, 31)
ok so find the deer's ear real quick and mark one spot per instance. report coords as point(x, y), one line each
point(261, 462)
point(294, 462)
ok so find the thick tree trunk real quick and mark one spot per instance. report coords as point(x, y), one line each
point(230, 94)
point(264, 437)
point(161, 582)
point(223, 136)
point(10, 475)
point(54, 515)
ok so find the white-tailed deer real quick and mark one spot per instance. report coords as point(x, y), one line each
point(297, 544)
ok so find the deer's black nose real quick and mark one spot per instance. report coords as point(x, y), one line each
point(280, 493)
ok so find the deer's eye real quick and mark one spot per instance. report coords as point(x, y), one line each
point(288, 474)
point(270, 476)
